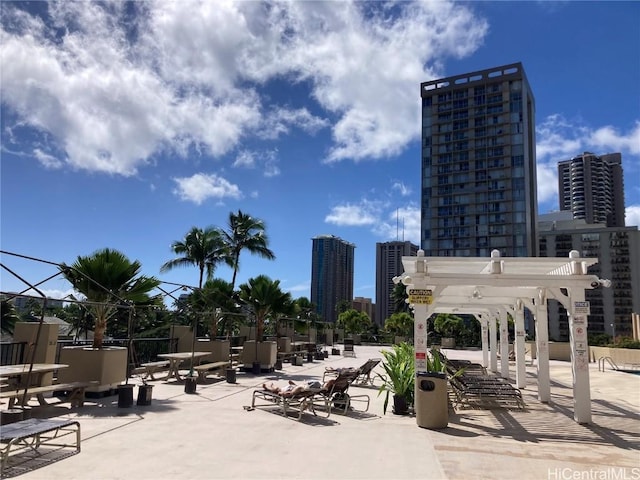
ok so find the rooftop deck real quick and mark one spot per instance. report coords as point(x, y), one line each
point(210, 435)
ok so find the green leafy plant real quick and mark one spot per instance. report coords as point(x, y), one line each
point(399, 367)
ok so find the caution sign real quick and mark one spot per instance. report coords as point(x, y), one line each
point(420, 296)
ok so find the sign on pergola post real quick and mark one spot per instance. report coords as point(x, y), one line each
point(508, 285)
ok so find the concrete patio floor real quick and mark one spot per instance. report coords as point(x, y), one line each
point(209, 435)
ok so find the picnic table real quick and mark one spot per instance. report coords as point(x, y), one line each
point(26, 375)
point(176, 358)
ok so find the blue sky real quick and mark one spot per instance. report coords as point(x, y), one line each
point(124, 125)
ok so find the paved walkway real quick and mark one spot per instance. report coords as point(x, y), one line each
point(210, 435)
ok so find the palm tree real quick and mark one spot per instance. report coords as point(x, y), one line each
point(245, 233)
point(214, 294)
point(9, 316)
point(398, 297)
point(202, 248)
point(106, 278)
point(265, 299)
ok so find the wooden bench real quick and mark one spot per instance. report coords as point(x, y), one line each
point(32, 433)
point(72, 392)
point(206, 368)
point(284, 356)
point(154, 367)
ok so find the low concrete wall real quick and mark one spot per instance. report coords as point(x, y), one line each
point(621, 356)
point(560, 351)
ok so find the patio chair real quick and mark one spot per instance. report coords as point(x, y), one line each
point(364, 377)
point(311, 400)
point(348, 351)
point(478, 391)
point(337, 395)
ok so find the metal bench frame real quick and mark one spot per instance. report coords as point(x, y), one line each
point(29, 435)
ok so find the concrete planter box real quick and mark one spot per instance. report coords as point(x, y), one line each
point(448, 342)
point(284, 344)
point(267, 354)
point(219, 350)
point(45, 350)
point(328, 336)
point(107, 366)
point(621, 356)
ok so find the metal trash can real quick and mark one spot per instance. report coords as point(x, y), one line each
point(431, 400)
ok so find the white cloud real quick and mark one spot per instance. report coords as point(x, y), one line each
point(47, 161)
point(114, 90)
point(245, 159)
point(280, 121)
point(547, 176)
point(365, 213)
point(609, 138)
point(399, 223)
point(561, 139)
point(251, 159)
point(403, 189)
point(201, 187)
point(632, 216)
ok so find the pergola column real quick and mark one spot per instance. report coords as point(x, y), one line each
point(484, 336)
point(493, 343)
point(521, 371)
point(504, 344)
point(542, 346)
point(579, 356)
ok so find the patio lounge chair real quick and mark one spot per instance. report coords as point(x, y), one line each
point(364, 377)
point(348, 351)
point(337, 394)
point(484, 391)
point(311, 400)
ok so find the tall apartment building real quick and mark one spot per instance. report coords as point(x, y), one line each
point(388, 265)
point(479, 164)
point(591, 187)
point(331, 275)
point(364, 305)
point(618, 253)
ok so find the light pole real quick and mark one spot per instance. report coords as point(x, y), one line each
point(613, 329)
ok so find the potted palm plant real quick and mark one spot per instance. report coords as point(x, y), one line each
point(108, 279)
point(264, 299)
point(399, 381)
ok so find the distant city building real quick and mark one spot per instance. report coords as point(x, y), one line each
point(365, 305)
point(591, 187)
point(331, 275)
point(479, 164)
point(24, 304)
point(388, 265)
point(618, 252)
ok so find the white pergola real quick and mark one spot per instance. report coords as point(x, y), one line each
point(492, 289)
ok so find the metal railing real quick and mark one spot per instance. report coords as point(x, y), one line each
point(12, 353)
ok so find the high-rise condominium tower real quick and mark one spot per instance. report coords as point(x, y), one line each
point(479, 164)
point(331, 275)
point(388, 265)
point(591, 187)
